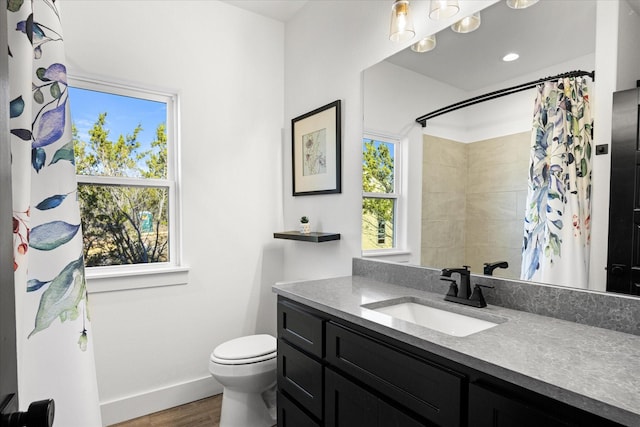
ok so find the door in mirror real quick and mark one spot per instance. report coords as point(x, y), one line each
point(623, 263)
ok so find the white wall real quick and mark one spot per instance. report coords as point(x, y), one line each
point(152, 345)
point(628, 52)
point(328, 45)
point(606, 71)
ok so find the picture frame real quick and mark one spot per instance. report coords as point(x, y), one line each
point(316, 151)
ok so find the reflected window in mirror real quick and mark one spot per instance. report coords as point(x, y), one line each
point(380, 167)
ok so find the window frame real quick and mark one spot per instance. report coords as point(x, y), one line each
point(173, 272)
point(396, 195)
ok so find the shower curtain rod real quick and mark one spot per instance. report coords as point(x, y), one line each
point(499, 93)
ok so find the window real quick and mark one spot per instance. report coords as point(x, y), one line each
point(379, 193)
point(124, 148)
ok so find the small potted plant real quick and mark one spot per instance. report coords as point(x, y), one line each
point(305, 227)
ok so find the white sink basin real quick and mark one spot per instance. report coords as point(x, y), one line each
point(444, 321)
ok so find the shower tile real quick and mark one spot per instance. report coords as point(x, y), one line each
point(443, 206)
point(494, 205)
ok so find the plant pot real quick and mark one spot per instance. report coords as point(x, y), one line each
point(305, 228)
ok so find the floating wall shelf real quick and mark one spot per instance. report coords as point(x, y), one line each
point(307, 237)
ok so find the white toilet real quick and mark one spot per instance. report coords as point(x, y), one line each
point(246, 367)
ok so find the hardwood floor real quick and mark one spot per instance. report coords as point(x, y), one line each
point(202, 413)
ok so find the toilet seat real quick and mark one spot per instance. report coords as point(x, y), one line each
point(245, 350)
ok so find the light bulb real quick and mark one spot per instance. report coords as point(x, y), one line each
point(425, 45)
point(521, 4)
point(401, 22)
point(443, 9)
point(467, 24)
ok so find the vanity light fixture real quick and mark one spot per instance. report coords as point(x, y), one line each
point(401, 22)
point(510, 57)
point(467, 24)
point(425, 45)
point(521, 4)
point(443, 9)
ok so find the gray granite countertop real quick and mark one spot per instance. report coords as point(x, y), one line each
point(594, 369)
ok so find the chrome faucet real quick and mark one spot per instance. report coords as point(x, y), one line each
point(463, 294)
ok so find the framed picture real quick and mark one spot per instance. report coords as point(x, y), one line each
point(316, 151)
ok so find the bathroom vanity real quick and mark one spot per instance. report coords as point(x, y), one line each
point(342, 362)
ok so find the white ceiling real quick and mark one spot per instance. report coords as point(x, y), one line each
point(281, 10)
point(534, 33)
point(548, 33)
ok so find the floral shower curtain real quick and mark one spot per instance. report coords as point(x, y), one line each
point(558, 208)
point(55, 354)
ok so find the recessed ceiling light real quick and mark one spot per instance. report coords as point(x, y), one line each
point(510, 57)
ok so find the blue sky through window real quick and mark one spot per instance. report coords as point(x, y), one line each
point(377, 143)
point(124, 113)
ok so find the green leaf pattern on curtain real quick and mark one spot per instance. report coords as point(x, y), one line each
point(52, 327)
point(42, 144)
point(558, 207)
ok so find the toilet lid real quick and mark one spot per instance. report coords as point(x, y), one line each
point(249, 347)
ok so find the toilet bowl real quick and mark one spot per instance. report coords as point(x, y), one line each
point(246, 368)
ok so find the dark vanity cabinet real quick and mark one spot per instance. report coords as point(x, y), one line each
point(329, 375)
point(332, 373)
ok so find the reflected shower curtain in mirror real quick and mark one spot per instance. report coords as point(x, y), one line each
point(558, 207)
point(55, 355)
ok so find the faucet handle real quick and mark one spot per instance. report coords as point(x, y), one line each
point(478, 296)
point(453, 286)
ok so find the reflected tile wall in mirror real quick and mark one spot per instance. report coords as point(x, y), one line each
point(473, 202)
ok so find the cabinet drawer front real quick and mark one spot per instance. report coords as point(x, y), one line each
point(430, 391)
point(300, 328)
point(289, 415)
point(349, 405)
point(301, 377)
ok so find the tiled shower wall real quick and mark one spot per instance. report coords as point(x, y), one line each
point(444, 204)
point(473, 202)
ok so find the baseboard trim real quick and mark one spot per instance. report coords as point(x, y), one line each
point(127, 408)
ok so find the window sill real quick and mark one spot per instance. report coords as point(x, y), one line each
point(105, 279)
point(394, 255)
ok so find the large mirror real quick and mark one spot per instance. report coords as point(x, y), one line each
point(469, 168)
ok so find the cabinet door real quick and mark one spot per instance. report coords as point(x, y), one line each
point(300, 377)
point(424, 388)
point(489, 409)
point(289, 415)
point(349, 405)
